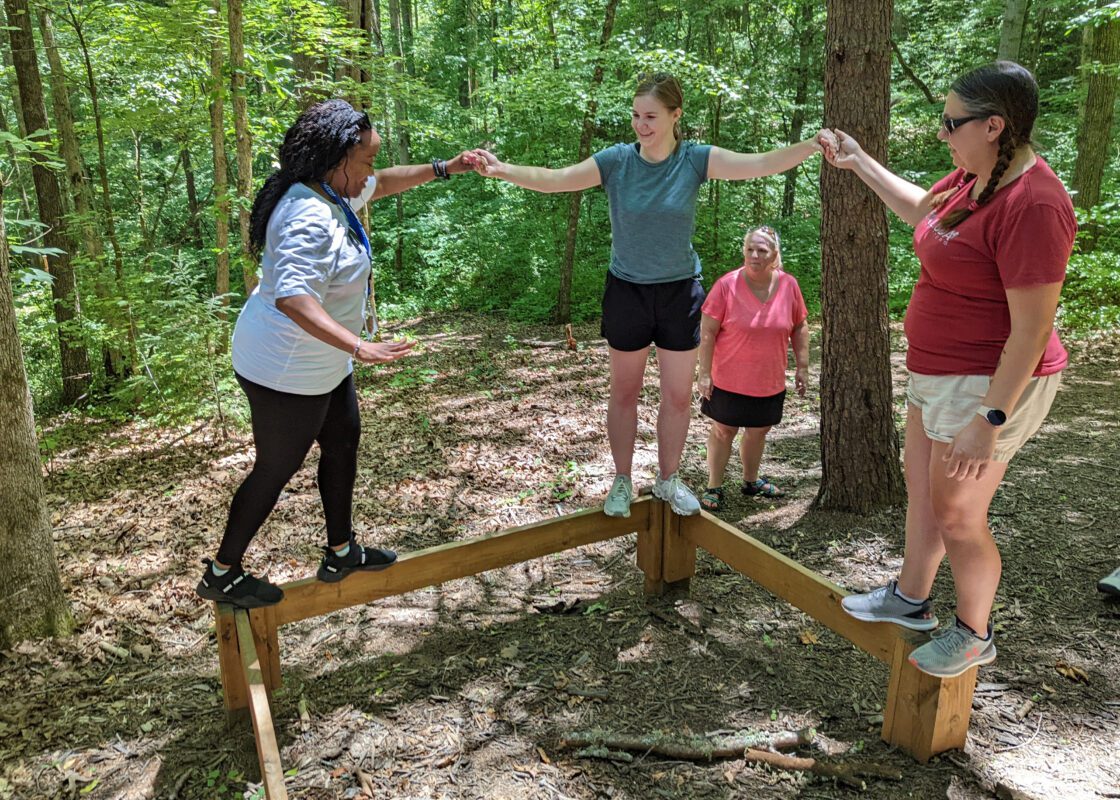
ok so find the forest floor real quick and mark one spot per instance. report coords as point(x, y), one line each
point(464, 690)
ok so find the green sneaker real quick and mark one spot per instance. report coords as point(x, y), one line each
point(953, 651)
point(619, 497)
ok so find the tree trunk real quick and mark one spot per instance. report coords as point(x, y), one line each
point(32, 603)
point(400, 108)
point(102, 168)
point(218, 146)
point(1011, 32)
point(805, 36)
point(859, 442)
point(81, 192)
point(1094, 133)
point(564, 294)
point(64, 290)
point(193, 222)
point(244, 142)
point(28, 213)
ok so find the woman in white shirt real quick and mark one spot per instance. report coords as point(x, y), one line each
point(297, 337)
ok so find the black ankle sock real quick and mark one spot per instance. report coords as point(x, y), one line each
point(968, 628)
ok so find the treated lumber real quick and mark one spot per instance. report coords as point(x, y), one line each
point(678, 562)
point(651, 547)
point(229, 658)
point(926, 715)
point(446, 562)
point(268, 753)
point(794, 583)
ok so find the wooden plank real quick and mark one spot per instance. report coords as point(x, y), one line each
point(651, 547)
point(268, 753)
point(797, 585)
point(229, 658)
point(446, 562)
point(267, 643)
point(925, 715)
point(679, 553)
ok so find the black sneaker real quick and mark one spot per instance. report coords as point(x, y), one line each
point(368, 559)
point(238, 588)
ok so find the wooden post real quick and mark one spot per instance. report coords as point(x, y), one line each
point(651, 547)
point(268, 752)
point(678, 553)
point(229, 658)
point(925, 715)
point(267, 644)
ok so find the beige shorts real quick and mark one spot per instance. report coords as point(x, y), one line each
point(949, 402)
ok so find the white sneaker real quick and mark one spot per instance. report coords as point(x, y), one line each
point(673, 491)
point(619, 497)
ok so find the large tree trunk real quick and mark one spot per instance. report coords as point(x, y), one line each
point(32, 603)
point(859, 442)
point(1100, 55)
point(564, 295)
point(64, 290)
point(218, 146)
point(1011, 31)
point(6, 59)
point(244, 142)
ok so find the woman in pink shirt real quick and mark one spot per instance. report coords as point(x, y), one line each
point(745, 330)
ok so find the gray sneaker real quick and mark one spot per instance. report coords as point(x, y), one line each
point(1110, 584)
point(884, 605)
point(677, 495)
point(953, 651)
point(619, 497)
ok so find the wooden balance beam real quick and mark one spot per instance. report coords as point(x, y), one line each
point(924, 715)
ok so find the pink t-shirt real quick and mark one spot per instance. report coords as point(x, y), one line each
point(752, 346)
point(958, 320)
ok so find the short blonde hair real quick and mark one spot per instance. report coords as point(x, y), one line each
point(771, 236)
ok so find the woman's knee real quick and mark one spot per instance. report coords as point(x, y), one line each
point(723, 433)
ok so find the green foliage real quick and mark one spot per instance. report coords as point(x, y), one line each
point(513, 77)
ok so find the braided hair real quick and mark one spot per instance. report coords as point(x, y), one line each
point(316, 143)
point(1003, 89)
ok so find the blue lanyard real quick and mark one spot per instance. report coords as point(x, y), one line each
point(351, 218)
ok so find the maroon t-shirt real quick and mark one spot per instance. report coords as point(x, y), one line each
point(958, 320)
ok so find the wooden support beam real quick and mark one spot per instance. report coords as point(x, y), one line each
point(266, 641)
point(651, 548)
point(925, 715)
point(797, 585)
point(678, 560)
point(447, 562)
point(268, 753)
point(229, 658)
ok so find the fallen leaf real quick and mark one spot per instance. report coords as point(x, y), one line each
point(1075, 674)
point(808, 637)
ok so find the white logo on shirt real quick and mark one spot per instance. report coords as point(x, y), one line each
point(943, 234)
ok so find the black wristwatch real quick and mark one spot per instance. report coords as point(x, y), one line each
point(994, 416)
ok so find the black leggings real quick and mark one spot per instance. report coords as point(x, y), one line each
point(284, 426)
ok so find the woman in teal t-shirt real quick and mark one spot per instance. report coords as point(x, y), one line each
point(653, 293)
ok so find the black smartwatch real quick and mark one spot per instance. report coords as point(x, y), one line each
point(994, 416)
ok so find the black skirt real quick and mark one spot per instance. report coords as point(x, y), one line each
point(743, 410)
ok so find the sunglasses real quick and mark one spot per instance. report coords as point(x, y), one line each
point(950, 124)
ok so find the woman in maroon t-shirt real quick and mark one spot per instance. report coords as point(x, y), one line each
point(993, 238)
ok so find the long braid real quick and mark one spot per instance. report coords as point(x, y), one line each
point(1004, 156)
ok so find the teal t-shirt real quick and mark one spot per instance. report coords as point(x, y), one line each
point(653, 211)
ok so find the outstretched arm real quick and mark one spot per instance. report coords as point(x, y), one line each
point(394, 180)
point(575, 178)
point(909, 201)
point(731, 166)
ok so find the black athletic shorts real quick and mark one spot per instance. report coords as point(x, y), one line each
point(636, 315)
point(742, 410)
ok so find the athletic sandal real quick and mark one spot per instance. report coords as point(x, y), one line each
point(367, 559)
point(237, 587)
point(761, 488)
point(712, 499)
